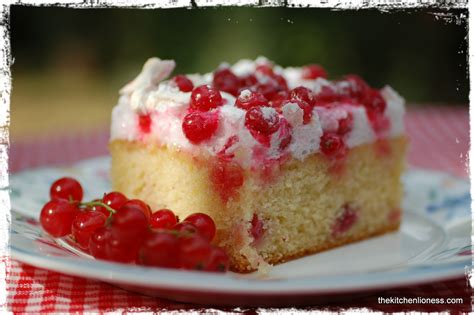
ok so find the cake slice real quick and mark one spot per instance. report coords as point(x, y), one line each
point(285, 161)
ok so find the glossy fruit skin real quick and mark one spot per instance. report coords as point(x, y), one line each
point(98, 241)
point(204, 224)
point(56, 217)
point(114, 199)
point(66, 188)
point(313, 71)
point(85, 224)
point(218, 260)
point(163, 219)
point(98, 208)
point(183, 83)
point(186, 228)
point(160, 249)
point(138, 204)
point(205, 97)
point(259, 122)
point(200, 126)
point(194, 252)
point(303, 94)
point(225, 80)
point(248, 99)
point(130, 219)
point(122, 246)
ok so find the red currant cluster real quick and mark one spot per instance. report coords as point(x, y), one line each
point(263, 94)
point(125, 230)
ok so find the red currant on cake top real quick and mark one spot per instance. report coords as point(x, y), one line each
point(225, 80)
point(262, 120)
point(205, 97)
point(313, 71)
point(183, 83)
point(204, 224)
point(56, 217)
point(163, 219)
point(85, 224)
point(200, 126)
point(248, 99)
point(66, 188)
point(303, 94)
point(374, 101)
point(353, 86)
point(345, 124)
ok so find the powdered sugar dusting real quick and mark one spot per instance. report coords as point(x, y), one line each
point(167, 106)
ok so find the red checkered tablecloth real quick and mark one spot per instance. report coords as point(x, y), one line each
point(439, 139)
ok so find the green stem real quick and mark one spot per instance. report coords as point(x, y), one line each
point(98, 203)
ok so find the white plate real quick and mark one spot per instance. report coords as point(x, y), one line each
point(433, 244)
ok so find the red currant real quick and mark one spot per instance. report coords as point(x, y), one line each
point(248, 81)
point(256, 228)
point(268, 89)
point(333, 146)
point(225, 80)
point(248, 99)
point(303, 94)
point(66, 188)
point(262, 120)
point(345, 222)
point(204, 224)
point(194, 252)
point(100, 209)
point(353, 86)
point(345, 124)
point(185, 228)
point(265, 68)
point(326, 96)
point(183, 83)
point(312, 72)
point(130, 220)
point(227, 178)
point(56, 217)
point(163, 219)
point(205, 97)
point(200, 126)
point(160, 249)
point(374, 102)
point(278, 100)
point(121, 246)
point(114, 199)
point(98, 241)
point(138, 204)
point(84, 224)
point(144, 122)
point(218, 260)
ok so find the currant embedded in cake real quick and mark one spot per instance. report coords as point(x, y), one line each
point(285, 161)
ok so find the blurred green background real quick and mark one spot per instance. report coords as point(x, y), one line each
point(70, 63)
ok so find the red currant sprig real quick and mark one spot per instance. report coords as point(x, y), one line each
point(118, 229)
